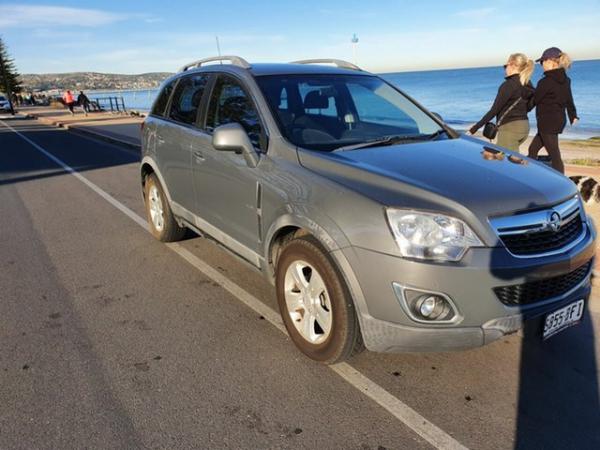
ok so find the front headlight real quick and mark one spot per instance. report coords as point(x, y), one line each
point(431, 236)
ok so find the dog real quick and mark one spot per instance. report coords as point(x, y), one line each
point(588, 187)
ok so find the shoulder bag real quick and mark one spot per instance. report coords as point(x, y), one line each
point(491, 129)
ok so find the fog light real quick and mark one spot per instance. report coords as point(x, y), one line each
point(431, 307)
point(427, 306)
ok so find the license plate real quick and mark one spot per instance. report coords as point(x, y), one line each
point(563, 318)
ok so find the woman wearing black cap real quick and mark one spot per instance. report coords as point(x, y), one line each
point(552, 97)
point(512, 103)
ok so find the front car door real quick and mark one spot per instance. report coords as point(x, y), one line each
point(227, 190)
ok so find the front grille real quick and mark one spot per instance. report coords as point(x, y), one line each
point(539, 232)
point(543, 241)
point(537, 291)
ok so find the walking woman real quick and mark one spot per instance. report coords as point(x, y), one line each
point(512, 103)
point(552, 96)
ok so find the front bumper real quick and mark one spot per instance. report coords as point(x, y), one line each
point(386, 326)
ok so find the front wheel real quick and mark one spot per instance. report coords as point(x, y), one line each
point(315, 304)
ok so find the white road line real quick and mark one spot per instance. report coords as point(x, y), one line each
point(424, 428)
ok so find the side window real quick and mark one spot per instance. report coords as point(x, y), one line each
point(163, 98)
point(283, 99)
point(230, 104)
point(186, 99)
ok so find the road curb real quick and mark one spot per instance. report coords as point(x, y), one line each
point(104, 137)
point(89, 133)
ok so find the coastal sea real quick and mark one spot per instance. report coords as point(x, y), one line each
point(460, 96)
point(463, 96)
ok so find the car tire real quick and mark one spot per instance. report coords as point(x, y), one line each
point(161, 221)
point(315, 303)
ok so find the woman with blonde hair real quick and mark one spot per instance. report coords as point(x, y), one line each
point(512, 103)
point(552, 97)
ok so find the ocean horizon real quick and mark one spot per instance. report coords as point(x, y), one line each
point(460, 96)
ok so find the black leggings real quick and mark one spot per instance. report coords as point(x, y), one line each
point(550, 141)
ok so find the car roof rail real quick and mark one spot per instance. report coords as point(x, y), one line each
point(235, 60)
point(337, 62)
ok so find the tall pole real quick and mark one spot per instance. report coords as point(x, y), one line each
point(354, 42)
point(218, 47)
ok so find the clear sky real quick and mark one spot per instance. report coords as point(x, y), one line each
point(161, 35)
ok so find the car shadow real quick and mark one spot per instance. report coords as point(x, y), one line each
point(21, 162)
point(558, 403)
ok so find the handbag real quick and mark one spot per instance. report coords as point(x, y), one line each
point(491, 129)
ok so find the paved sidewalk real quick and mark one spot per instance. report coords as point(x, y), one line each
point(113, 127)
point(17, 116)
point(588, 171)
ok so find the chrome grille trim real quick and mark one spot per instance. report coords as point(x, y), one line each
point(536, 222)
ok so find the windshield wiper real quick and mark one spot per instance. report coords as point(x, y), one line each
point(432, 136)
point(391, 140)
point(387, 140)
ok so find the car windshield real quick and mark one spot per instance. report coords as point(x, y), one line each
point(327, 112)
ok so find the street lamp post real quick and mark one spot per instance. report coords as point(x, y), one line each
point(354, 42)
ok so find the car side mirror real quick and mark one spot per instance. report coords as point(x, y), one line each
point(232, 137)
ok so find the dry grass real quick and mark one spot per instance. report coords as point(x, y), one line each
point(591, 143)
point(590, 162)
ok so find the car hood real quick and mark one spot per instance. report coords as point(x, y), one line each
point(443, 175)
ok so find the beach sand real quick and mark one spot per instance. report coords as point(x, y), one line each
point(584, 152)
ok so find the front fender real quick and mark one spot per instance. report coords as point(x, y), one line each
point(318, 224)
point(147, 160)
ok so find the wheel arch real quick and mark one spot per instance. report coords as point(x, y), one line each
point(289, 226)
point(147, 167)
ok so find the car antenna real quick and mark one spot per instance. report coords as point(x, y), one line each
point(218, 47)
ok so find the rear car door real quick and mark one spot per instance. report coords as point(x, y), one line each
point(177, 136)
point(153, 128)
point(227, 189)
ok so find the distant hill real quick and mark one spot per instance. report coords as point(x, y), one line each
point(91, 81)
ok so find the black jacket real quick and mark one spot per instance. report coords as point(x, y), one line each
point(82, 100)
point(508, 93)
point(552, 96)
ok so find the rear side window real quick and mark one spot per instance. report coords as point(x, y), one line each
point(163, 98)
point(229, 103)
point(187, 97)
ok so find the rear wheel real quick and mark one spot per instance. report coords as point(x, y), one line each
point(163, 225)
point(315, 304)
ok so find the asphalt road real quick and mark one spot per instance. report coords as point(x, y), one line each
point(110, 339)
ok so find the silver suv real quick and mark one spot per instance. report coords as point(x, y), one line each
point(378, 224)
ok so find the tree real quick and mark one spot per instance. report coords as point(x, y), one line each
point(9, 77)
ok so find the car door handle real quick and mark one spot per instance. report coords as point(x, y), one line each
point(198, 156)
point(159, 139)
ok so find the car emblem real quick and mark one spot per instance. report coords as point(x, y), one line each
point(554, 221)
